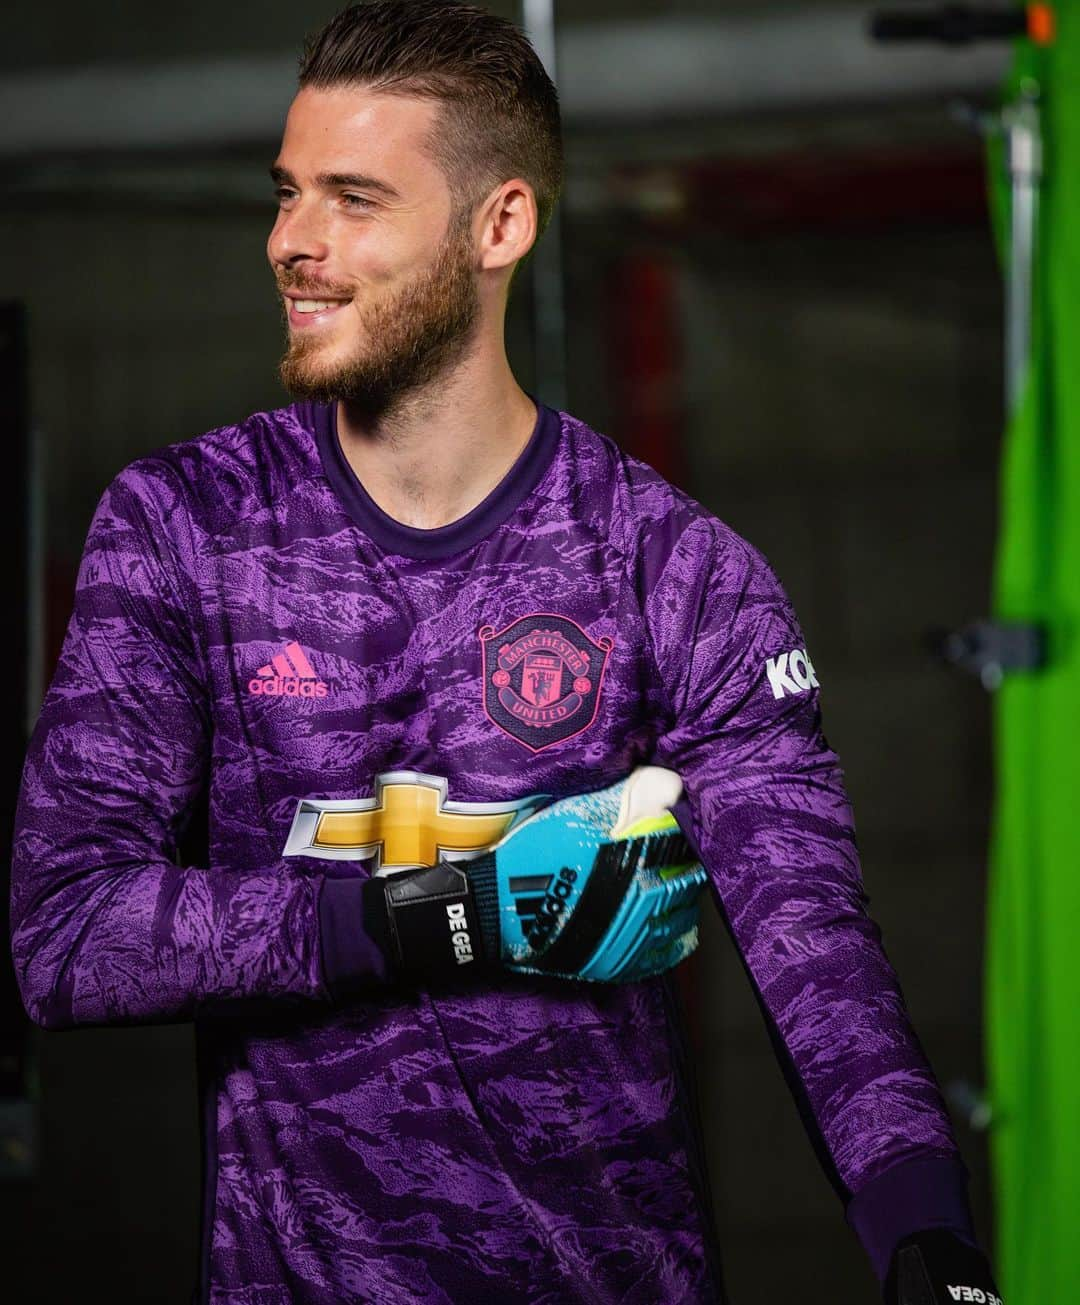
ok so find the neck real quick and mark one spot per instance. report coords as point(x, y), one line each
point(433, 456)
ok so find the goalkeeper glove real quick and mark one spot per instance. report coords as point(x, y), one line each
point(598, 886)
point(936, 1267)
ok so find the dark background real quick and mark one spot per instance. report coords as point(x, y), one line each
point(789, 302)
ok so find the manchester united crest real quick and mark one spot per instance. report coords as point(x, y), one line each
point(542, 678)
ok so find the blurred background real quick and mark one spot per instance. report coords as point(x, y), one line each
point(774, 278)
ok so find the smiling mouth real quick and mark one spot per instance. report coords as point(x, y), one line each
point(310, 313)
point(315, 305)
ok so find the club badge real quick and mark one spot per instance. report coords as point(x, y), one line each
point(542, 678)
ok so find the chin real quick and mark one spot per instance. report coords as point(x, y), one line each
point(304, 381)
point(313, 365)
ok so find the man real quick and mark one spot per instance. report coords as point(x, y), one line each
point(409, 602)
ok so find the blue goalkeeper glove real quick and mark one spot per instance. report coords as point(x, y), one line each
point(937, 1268)
point(599, 886)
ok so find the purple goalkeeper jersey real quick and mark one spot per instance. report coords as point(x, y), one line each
point(352, 694)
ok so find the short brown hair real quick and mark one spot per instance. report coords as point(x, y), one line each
point(499, 116)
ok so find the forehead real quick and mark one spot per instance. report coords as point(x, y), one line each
point(348, 129)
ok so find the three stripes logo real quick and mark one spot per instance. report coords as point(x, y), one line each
point(288, 674)
point(542, 900)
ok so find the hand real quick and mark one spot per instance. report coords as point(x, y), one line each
point(599, 886)
point(936, 1267)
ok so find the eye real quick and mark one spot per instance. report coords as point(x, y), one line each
point(357, 201)
point(282, 193)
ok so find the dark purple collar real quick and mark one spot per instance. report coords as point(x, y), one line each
point(410, 541)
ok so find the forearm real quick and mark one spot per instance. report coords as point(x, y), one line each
point(157, 943)
point(790, 891)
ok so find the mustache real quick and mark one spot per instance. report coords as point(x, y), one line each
point(316, 291)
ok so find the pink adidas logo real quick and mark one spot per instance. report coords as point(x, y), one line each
point(288, 674)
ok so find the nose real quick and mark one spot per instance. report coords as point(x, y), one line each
point(298, 233)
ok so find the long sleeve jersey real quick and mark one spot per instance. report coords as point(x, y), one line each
point(351, 694)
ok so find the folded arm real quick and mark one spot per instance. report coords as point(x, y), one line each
point(106, 928)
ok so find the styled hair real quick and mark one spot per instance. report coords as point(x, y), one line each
point(499, 112)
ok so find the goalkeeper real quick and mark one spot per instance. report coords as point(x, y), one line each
point(446, 663)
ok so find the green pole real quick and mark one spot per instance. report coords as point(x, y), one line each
point(1033, 937)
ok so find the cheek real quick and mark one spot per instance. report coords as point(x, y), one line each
point(375, 258)
point(389, 254)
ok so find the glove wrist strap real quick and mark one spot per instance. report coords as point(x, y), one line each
point(432, 923)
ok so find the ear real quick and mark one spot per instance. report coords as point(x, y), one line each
point(508, 224)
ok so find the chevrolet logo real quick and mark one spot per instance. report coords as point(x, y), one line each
point(409, 822)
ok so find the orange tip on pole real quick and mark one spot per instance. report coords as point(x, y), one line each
point(1042, 24)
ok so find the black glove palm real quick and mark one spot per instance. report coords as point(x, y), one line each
point(936, 1267)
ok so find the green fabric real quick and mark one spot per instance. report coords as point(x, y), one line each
point(1033, 940)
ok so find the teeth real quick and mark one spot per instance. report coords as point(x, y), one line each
point(315, 305)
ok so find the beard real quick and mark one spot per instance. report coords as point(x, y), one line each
point(413, 335)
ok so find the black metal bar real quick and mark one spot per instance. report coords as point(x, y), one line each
point(950, 24)
point(16, 1113)
point(992, 649)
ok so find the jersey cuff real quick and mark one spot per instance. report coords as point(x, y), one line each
point(930, 1192)
point(351, 958)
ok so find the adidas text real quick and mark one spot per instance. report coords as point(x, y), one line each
point(287, 687)
point(553, 905)
point(975, 1294)
point(791, 672)
point(459, 937)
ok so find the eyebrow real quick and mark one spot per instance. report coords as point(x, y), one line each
point(329, 180)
